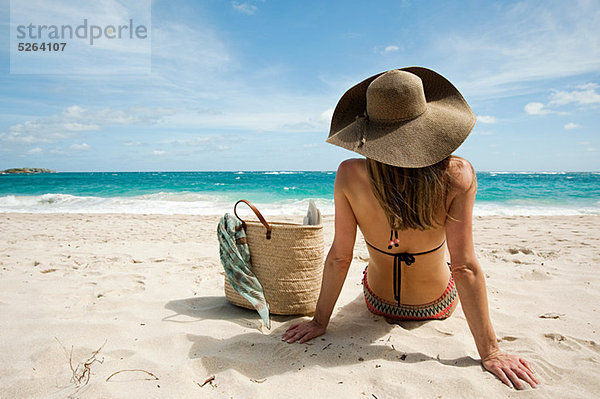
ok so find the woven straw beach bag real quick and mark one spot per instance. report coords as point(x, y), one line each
point(287, 259)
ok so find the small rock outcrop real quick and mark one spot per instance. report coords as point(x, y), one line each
point(26, 170)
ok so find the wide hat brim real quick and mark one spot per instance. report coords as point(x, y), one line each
point(415, 143)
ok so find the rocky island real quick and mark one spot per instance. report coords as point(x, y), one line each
point(26, 170)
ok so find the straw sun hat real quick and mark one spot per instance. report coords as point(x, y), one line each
point(410, 117)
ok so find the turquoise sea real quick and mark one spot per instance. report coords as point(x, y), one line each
point(499, 193)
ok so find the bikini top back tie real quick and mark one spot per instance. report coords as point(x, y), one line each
point(405, 257)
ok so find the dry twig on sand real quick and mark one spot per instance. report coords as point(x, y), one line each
point(81, 373)
point(143, 371)
point(209, 380)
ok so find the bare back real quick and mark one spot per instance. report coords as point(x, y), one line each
point(423, 281)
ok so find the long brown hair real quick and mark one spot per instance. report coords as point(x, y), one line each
point(410, 197)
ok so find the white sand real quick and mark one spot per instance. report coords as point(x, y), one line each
point(152, 288)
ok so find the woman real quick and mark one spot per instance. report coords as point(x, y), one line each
point(413, 202)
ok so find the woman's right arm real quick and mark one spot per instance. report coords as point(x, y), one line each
point(336, 264)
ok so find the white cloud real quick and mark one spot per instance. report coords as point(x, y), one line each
point(197, 141)
point(35, 150)
point(244, 8)
point(39, 131)
point(571, 126)
point(80, 147)
point(76, 119)
point(537, 109)
point(274, 114)
point(486, 119)
point(386, 50)
point(585, 95)
point(158, 152)
point(74, 111)
point(327, 115)
point(79, 127)
point(546, 40)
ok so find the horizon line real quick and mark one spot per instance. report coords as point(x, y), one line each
point(281, 170)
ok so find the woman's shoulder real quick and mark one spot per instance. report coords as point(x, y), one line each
point(352, 167)
point(462, 174)
point(353, 163)
point(352, 172)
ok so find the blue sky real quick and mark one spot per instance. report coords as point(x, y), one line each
point(251, 85)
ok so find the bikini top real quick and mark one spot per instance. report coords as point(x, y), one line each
point(407, 258)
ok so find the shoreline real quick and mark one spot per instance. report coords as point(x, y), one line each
point(151, 286)
point(287, 218)
point(212, 215)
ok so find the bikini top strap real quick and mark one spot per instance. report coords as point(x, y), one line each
point(405, 253)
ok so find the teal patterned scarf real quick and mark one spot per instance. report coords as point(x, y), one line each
point(235, 258)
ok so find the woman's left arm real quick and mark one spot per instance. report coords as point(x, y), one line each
point(470, 285)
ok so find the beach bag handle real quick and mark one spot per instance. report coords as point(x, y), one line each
point(257, 213)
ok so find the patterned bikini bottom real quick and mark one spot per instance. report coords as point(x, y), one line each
point(439, 309)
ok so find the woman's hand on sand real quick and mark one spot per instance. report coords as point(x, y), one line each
point(510, 369)
point(302, 332)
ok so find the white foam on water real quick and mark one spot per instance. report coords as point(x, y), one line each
point(205, 204)
point(493, 209)
point(499, 172)
point(158, 203)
